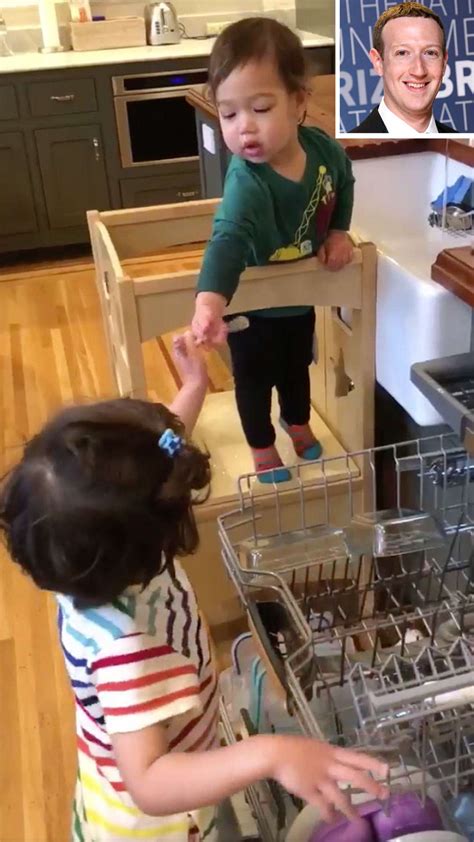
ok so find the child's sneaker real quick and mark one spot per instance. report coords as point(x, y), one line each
point(305, 443)
point(267, 459)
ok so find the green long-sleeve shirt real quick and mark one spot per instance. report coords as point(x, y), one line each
point(265, 217)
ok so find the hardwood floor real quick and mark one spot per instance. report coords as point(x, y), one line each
point(52, 352)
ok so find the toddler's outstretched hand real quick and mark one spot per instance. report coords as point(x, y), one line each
point(208, 326)
point(314, 771)
point(336, 251)
point(189, 360)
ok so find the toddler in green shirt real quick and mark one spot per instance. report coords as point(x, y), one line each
point(288, 194)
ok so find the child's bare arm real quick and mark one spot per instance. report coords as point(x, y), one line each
point(208, 326)
point(192, 369)
point(162, 782)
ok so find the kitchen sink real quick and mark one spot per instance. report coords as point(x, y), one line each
point(417, 319)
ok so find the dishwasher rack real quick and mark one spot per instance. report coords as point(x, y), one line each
point(371, 646)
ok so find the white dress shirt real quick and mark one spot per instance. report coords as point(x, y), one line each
point(397, 127)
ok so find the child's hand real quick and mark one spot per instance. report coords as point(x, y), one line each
point(336, 251)
point(189, 360)
point(208, 326)
point(314, 772)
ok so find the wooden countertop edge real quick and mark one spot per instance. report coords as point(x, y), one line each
point(198, 100)
point(358, 149)
point(454, 270)
point(459, 151)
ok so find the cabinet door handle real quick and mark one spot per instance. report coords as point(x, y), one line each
point(96, 145)
point(63, 98)
point(186, 194)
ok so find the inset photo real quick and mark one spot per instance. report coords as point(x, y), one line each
point(406, 69)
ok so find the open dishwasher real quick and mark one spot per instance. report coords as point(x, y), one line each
point(363, 623)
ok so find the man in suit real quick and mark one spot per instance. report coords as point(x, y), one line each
point(409, 52)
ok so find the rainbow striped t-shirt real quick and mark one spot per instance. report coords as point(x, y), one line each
point(144, 659)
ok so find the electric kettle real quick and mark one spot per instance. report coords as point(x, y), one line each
point(163, 25)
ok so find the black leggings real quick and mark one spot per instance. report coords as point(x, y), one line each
point(273, 351)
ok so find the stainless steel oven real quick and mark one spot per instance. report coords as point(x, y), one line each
point(155, 124)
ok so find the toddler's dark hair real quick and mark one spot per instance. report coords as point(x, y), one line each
point(95, 505)
point(253, 39)
point(408, 9)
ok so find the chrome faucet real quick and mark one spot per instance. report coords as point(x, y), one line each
point(454, 219)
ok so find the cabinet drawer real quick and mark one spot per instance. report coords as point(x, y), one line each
point(62, 97)
point(8, 103)
point(159, 190)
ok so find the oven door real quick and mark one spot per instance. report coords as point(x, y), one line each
point(156, 128)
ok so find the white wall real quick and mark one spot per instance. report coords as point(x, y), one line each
point(183, 7)
point(199, 7)
point(193, 13)
point(284, 10)
point(316, 16)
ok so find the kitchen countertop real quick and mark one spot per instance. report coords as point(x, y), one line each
point(187, 48)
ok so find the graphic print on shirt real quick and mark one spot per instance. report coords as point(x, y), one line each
point(318, 212)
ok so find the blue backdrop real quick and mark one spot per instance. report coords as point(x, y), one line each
point(361, 90)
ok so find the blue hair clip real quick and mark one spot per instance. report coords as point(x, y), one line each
point(170, 442)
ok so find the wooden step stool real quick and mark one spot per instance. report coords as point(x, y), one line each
point(159, 297)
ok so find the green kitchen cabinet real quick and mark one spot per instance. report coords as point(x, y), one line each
point(60, 152)
point(73, 173)
point(160, 190)
point(8, 103)
point(17, 204)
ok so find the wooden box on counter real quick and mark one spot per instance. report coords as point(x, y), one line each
point(108, 34)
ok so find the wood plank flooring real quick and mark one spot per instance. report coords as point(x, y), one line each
point(52, 352)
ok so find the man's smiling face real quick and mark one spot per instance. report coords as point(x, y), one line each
point(412, 66)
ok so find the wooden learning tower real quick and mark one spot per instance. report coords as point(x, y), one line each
point(147, 262)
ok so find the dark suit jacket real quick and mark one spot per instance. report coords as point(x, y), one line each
point(374, 124)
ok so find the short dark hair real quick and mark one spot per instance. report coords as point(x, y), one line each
point(404, 10)
point(95, 505)
point(253, 39)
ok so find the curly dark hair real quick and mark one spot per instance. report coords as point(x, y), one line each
point(253, 39)
point(95, 505)
point(408, 9)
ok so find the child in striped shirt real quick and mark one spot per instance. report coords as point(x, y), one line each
point(97, 511)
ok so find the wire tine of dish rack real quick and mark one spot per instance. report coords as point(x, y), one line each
point(360, 670)
point(428, 701)
point(439, 462)
point(424, 599)
point(436, 464)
